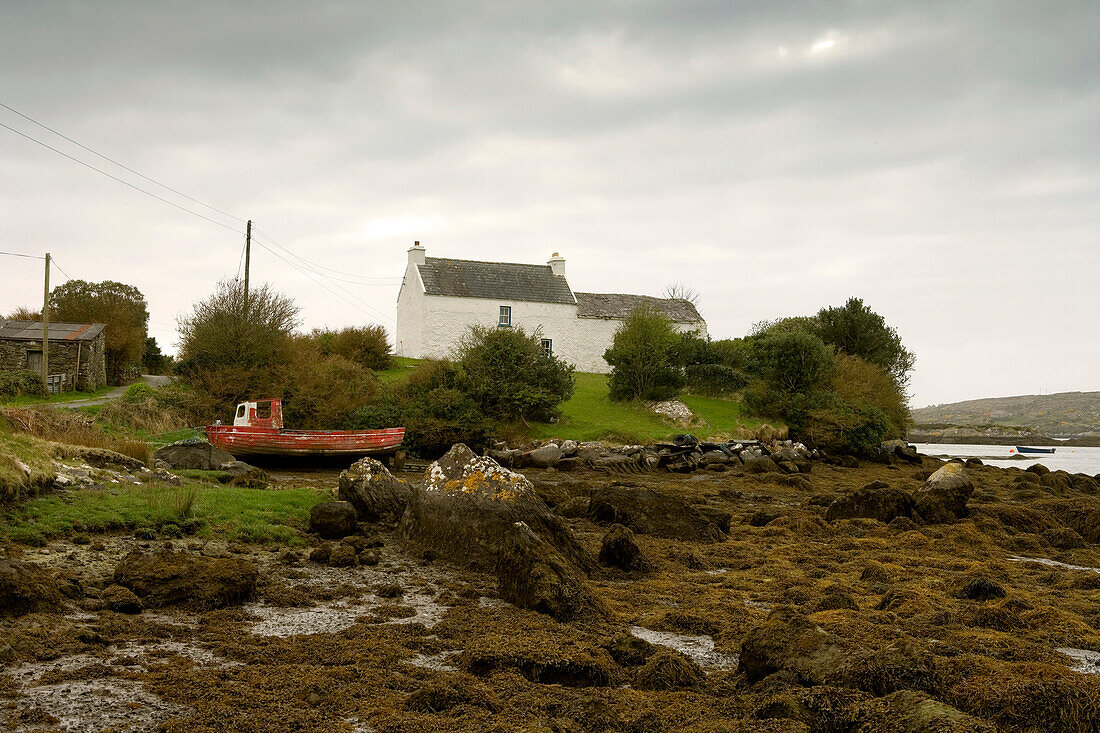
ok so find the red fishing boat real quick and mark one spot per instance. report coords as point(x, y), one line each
point(257, 430)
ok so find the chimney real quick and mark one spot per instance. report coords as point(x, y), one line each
point(557, 264)
point(416, 254)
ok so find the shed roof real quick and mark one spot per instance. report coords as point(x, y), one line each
point(619, 305)
point(60, 331)
point(497, 280)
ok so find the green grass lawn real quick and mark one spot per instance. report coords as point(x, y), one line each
point(217, 512)
point(402, 366)
point(23, 400)
point(590, 415)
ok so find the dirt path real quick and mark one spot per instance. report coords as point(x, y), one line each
point(153, 380)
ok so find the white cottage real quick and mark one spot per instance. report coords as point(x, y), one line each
point(440, 298)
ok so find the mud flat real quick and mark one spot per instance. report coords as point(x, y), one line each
point(781, 621)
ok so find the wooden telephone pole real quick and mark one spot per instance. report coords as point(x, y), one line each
point(46, 328)
point(247, 257)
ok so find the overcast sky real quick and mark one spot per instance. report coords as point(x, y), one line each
point(938, 159)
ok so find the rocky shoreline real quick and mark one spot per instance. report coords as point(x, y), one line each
point(639, 589)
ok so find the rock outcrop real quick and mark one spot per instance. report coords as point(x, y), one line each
point(533, 575)
point(467, 506)
point(620, 550)
point(26, 588)
point(332, 519)
point(374, 492)
point(944, 495)
point(169, 578)
point(648, 512)
point(876, 500)
point(193, 454)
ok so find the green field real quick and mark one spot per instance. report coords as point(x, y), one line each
point(590, 415)
point(24, 400)
point(207, 510)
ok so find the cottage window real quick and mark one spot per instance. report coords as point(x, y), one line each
point(505, 316)
point(548, 347)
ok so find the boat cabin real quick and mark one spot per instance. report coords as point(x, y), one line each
point(259, 414)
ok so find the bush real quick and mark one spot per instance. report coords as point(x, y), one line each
point(510, 375)
point(715, 380)
point(730, 352)
point(367, 346)
point(324, 390)
point(21, 382)
point(642, 358)
point(858, 382)
point(857, 330)
point(435, 413)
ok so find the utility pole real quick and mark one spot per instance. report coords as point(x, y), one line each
point(46, 327)
point(247, 257)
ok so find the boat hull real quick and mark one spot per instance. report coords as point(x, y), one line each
point(252, 441)
point(1037, 451)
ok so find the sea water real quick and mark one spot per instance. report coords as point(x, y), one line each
point(1065, 457)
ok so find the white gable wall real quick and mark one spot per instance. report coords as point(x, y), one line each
point(409, 337)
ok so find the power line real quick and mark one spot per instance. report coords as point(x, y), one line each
point(116, 178)
point(53, 261)
point(120, 165)
point(20, 254)
point(317, 264)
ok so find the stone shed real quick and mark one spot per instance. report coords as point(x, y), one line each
point(76, 351)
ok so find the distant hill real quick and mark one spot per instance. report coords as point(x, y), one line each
point(1065, 414)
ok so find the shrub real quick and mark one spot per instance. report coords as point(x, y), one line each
point(730, 352)
point(324, 390)
point(21, 382)
point(858, 382)
point(139, 392)
point(367, 346)
point(435, 413)
point(508, 373)
point(642, 358)
point(715, 380)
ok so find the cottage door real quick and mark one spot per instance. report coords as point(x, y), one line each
point(34, 361)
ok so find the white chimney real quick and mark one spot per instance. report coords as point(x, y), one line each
point(416, 254)
point(557, 264)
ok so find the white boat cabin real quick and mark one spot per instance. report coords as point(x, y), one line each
point(259, 414)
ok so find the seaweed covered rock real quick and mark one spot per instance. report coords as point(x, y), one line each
point(982, 589)
point(669, 670)
point(944, 495)
point(168, 578)
point(439, 698)
point(787, 640)
point(619, 550)
point(761, 464)
point(876, 500)
point(630, 651)
point(909, 711)
point(121, 600)
point(467, 506)
point(374, 492)
point(26, 588)
point(533, 575)
point(193, 454)
point(648, 512)
point(332, 519)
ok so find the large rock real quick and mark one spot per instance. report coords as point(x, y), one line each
point(533, 575)
point(874, 501)
point(332, 519)
point(546, 456)
point(374, 492)
point(762, 464)
point(468, 504)
point(619, 550)
point(648, 512)
point(787, 640)
point(239, 473)
point(26, 588)
point(909, 711)
point(168, 578)
point(944, 495)
point(195, 454)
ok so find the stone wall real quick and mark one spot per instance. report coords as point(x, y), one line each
point(63, 359)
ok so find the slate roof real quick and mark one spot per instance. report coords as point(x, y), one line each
point(60, 331)
point(619, 305)
point(496, 280)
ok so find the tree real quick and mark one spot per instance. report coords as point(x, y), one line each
point(857, 330)
point(792, 371)
point(508, 372)
point(680, 291)
point(153, 360)
point(122, 307)
point(368, 346)
point(642, 357)
point(235, 348)
point(23, 313)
